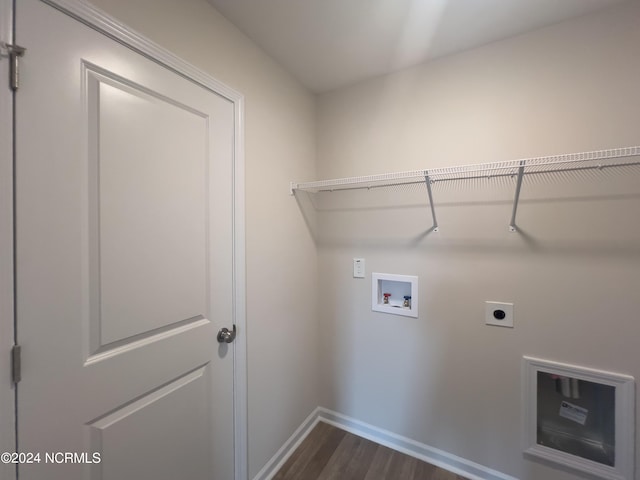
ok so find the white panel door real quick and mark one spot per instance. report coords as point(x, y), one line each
point(124, 197)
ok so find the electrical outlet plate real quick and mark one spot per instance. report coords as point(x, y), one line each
point(499, 314)
point(358, 268)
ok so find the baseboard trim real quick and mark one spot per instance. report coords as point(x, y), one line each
point(434, 456)
point(283, 454)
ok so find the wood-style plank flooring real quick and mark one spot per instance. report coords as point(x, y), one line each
point(329, 453)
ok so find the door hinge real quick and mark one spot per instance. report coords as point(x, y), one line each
point(14, 52)
point(16, 363)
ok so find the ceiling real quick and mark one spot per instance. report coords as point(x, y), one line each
point(328, 44)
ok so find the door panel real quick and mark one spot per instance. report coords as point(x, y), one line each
point(145, 423)
point(124, 259)
point(149, 201)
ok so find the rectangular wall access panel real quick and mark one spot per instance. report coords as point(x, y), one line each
point(395, 294)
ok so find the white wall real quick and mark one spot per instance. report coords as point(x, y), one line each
point(281, 256)
point(573, 272)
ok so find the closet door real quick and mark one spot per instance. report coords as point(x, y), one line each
point(124, 261)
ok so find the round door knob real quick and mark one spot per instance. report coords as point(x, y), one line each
point(227, 336)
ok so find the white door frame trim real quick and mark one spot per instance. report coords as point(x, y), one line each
point(109, 26)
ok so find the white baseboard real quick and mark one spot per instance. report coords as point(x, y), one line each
point(282, 455)
point(434, 456)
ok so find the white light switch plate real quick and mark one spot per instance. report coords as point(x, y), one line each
point(499, 314)
point(358, 268)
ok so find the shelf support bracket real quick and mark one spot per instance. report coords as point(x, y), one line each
point(427, 180)
point(516, 199)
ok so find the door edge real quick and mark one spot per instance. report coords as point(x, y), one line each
point(7, 253)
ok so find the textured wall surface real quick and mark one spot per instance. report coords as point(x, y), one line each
point(446, 379)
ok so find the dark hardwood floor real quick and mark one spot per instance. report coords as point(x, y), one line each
point(329, 453)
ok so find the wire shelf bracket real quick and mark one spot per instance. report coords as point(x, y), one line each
point(434, 227)
point(512, 225)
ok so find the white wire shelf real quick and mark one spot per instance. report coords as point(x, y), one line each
point(595, 160)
